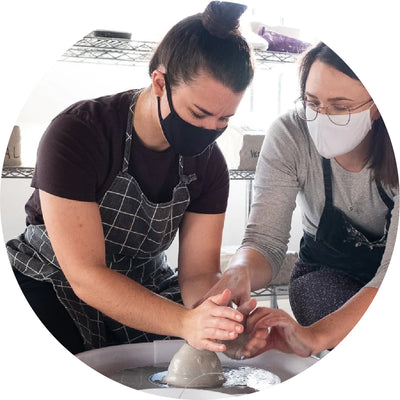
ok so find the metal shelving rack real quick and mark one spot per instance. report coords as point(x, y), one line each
point(27, 172)
point(17, 172)
point(93, 48)
point(121, 51)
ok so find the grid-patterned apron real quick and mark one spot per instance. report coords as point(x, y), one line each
point(137, 232)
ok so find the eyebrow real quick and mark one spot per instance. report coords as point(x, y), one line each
point(209, 112)
point(330, 99)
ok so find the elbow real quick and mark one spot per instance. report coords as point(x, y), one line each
point(83, 283)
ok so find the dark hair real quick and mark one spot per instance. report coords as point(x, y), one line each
point(381, 154)
point(208, 41)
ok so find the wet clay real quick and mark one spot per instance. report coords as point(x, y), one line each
point(193, 368)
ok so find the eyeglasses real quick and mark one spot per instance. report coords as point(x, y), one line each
point(338, 115)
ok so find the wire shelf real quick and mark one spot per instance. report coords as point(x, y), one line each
point(27, 172)
point(122, 51)
point(17, 172)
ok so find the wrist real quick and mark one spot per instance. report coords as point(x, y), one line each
point(321, 339)
point(185, 324)
point(252, 264)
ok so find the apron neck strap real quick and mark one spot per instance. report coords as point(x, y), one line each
point(327, 171)
point(129, 129)
point(385, 198)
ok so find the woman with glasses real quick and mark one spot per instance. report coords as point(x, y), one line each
point(117, 177)
point(332, 155)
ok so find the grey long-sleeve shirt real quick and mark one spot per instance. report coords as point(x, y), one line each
point(289, 170)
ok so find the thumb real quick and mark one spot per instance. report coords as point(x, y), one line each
point(247, 307)
point(222, 299)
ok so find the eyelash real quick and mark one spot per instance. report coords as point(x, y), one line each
point(333, 106)
point(198, 116)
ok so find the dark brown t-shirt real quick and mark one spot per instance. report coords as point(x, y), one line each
point(81, 153)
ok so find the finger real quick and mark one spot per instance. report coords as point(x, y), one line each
point(256, 343)
point(260, 312)
point(273, 320)
point(227, 312)
point(219, 334)
point(255, 316)
point(247, 307)
point(254, 348)
point(224, 324)
point(262, 323)
point(212, 346)
point(261, 333)
point(241, 298)
point(222, 299)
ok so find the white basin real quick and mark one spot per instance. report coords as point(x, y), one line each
point(109, 360)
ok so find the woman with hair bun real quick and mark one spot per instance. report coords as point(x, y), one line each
point(117, 177)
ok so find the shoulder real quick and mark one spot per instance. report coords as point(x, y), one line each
point(90, 123)
point(289, 129)
point(288, 139)
point(100, 110)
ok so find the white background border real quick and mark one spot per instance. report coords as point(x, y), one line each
point(34, 365)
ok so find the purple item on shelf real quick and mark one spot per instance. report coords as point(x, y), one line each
point(278, 42)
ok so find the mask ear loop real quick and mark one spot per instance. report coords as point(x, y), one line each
point(169, 96)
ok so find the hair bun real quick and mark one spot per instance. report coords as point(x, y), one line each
point(221, 18)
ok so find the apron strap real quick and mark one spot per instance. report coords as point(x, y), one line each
point(327, 171)
point(129, 128)
point(185, 179)
point(384, 196)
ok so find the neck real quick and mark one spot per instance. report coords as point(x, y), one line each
point(355, 160)
point(146, 123)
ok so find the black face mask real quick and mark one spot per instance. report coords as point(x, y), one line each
point(186, 139)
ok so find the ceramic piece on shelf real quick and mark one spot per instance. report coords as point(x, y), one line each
point(12, 157)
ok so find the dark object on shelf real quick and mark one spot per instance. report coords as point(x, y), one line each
point(283, 43)
point(112, 34)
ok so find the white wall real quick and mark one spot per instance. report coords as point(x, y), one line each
point(14, 194)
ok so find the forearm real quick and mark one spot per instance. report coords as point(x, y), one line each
point(332, 329)
point(195, 287)
point(128, 302)
point(255, 265)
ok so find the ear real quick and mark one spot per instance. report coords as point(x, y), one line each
point(158, 82)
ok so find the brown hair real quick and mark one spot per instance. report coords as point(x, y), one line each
point(208, 41)
point(381, 155)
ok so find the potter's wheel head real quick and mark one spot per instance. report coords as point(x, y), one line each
point(193, 368)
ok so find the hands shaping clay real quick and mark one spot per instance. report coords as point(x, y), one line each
point(193, 368)
point(235, 348)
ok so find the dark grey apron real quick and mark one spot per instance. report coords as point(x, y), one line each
point(337, 262)
point(136, 231)
point(340, 245)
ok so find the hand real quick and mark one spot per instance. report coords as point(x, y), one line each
point(236, 348)
point(278, 330)
point(235, 279)
point(212, 321)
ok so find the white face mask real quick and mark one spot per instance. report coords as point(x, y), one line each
point(334, 140)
